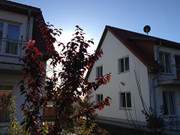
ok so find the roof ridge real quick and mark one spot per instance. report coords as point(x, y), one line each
point(141, 34)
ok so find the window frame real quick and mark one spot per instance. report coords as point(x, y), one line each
point(99, 74)
point(165, 67)
point(123, 63)
point(126, 100)
point(166, 97)
point(99, 99)
point(3, 48)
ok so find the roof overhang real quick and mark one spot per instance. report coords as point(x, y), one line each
point(19, 8)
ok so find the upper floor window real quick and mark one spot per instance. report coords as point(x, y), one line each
point(99, 71)
point(165, 61)
point(123, 64)
point(168, 103)
point(99, 98)
point(125, 100)
point(13, 34)
point(9, 38)
point(13, 31)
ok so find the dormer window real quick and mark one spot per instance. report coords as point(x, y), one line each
point(165, 62)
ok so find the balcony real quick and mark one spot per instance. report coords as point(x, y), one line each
point(10, 53)
point(172, 78)
point(11, 48)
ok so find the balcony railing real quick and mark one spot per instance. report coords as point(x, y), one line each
point(9, 47)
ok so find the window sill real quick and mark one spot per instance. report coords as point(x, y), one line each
point(125, 108)
point(168, 74)
point(123, 72)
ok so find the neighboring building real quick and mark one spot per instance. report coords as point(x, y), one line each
point(17, 26)
point(145, 74)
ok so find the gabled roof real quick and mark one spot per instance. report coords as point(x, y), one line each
point(141, 45)
point(19, 8)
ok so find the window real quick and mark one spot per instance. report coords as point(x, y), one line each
point(168, 103)
point(1, 34)
point(123, 64)
point(99, 71)
point(9, 38)
point(13, 33)
point(125, 100)
point(99, 98)
point(165, 61)
point(4, 102)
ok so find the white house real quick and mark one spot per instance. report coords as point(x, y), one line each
point(145, 74)
point(17, 26)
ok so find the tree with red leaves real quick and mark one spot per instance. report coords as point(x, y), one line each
point(66, 88)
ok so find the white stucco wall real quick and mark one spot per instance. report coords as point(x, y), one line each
point(113, 49)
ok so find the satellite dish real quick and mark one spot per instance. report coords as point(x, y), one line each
point(147, 29)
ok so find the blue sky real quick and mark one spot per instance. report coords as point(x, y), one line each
point(92, 15)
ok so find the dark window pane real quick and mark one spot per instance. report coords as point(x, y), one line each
point(168, 103)
point(13, 36)
point(161, 59)
point(171, 103)
point(122, 65)
point(127, 63)
point(13, 31)
point(128, 96)
point(99, 97)
point(165, 108)
point(122, 100)
point(99, 71)
point(167, 63)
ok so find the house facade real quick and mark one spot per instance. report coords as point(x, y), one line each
point(145, 76)
point(17, 26)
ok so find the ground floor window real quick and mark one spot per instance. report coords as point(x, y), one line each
point(99, 98)
point(168, 103)
point(4, 105)
point(125, 100)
